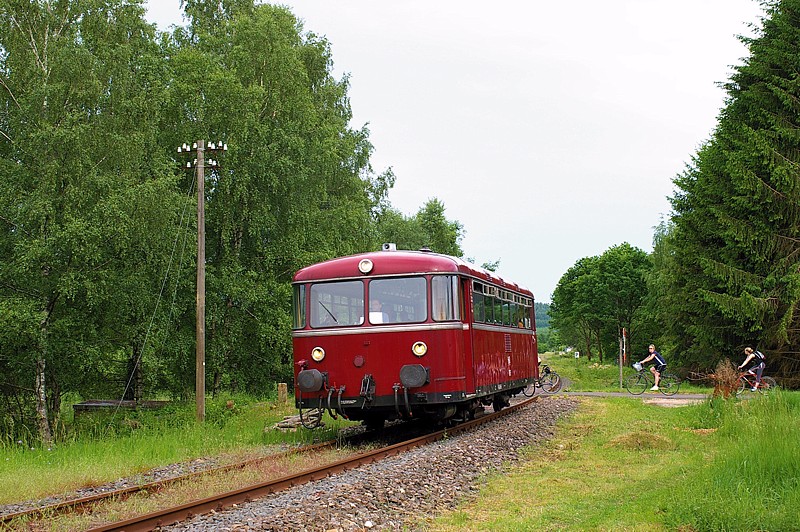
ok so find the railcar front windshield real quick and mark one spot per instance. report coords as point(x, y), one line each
point(383, 301)
point(398, 300)
point(336, 304)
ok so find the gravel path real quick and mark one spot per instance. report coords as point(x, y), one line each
point(399, 492)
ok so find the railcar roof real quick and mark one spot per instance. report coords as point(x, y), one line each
point(398, 263)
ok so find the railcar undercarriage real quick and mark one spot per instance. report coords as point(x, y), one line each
point(316, 397)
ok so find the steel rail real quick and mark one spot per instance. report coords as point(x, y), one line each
point(72, 504)
point(217, 503)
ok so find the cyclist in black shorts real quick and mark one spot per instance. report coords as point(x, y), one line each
point(658, 367)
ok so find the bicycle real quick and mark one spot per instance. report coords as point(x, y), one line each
point(549, 381)
point(642, 380)
point(747, 381)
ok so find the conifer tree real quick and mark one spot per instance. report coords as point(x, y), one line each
point(736, 216)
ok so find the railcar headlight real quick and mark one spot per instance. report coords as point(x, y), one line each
point(419, 348)
point(365, 266)
point(318, 354)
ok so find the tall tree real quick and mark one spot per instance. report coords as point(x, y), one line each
point(598, 297)
point(442, 235)
point(79, 91)
point(624, 270)
point(296, 185)
point(574, 310)
point(736, 222)
point(429, 227)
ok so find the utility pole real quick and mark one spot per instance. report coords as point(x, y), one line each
point(200, 322)
point(623, 353)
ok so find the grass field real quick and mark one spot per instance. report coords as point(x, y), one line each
point(593, 376)
point(621, 464)
point(617, 464)
point(100, 448)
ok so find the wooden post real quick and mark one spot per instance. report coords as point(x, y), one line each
point(200, 347)
point(623, 352)
point(283, 393)
point(200, 324)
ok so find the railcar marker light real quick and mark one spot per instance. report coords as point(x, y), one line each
point(365, 266)
point(318, 354)
point(419, 348)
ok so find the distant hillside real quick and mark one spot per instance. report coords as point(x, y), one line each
point(542, 311)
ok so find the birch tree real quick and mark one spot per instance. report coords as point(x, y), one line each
point(79, 99)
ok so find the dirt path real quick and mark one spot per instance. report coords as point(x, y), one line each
point(656, 398)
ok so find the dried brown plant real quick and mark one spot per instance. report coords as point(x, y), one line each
point(725, 378)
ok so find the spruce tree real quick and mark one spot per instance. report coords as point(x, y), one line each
point(735, 232)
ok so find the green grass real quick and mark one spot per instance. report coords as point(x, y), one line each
point(621, 464)
point(617, 464)
point(100, 448)
point(753, 481)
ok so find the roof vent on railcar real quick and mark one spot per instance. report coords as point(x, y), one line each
point(426, 249)
point(389, 246)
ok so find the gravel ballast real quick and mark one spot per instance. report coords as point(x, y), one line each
point(398, 492)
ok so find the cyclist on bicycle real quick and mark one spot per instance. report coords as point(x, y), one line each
point(757, 362)
point(658, 367)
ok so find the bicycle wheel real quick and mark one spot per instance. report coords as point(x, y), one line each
point(529, 390)
point(743, 385)
point(551, 382)
point(637, 384)
point(768, 384)
point(669, 384)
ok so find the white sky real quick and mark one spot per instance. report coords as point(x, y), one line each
point(550, 130)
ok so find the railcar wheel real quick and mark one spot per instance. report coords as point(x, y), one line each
point(499, 402)
point(474, 410)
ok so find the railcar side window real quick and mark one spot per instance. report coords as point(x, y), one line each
point(507, 314)
point(398, 300)
point(488, 302)
point(493, 305)
point(527, 310)
point(337, 304)
point(298, 306)
point(518, 319)
point(498, 311)
point(478, 308)
point(444, 293)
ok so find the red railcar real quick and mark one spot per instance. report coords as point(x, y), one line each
point(408, 334)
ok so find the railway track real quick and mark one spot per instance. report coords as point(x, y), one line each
point(215, 503)
point(84, 504)
point(177, 514)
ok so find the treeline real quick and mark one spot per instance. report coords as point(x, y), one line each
point(542, 314)
point(598, 298)
point(544, 334)
point(97, 217)
point(724, 270)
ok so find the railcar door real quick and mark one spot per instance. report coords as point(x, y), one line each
point(465, 303)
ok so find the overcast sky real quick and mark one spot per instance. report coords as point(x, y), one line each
point(551, 130)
